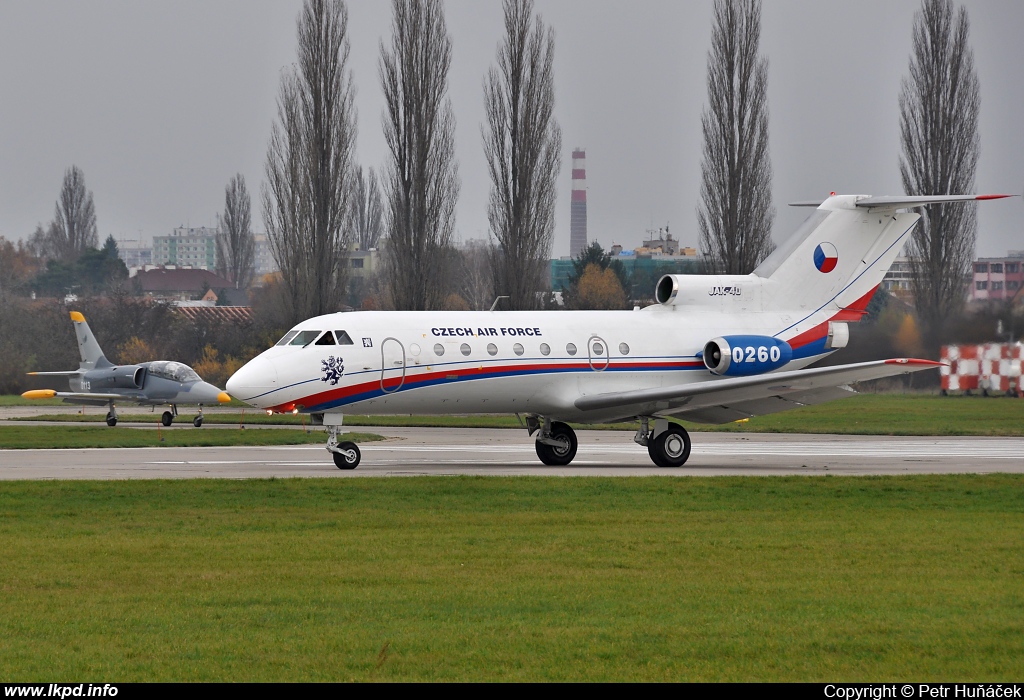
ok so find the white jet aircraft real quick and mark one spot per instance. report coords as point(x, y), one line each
point(714, 349)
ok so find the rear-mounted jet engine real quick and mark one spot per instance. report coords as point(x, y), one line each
point(745, 355)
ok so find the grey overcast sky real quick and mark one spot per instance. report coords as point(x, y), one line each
point(160, 103)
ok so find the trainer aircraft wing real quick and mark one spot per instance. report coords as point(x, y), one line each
point(734, 398)
point(78, 395)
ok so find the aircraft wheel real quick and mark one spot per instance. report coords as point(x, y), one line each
point(167, 418)
point(111, 420)
point(349, 456)
point(558, 456)
point(198, 421)
point(671, 448)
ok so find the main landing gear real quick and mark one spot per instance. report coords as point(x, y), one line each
point(168, 416)
point(556, 441)
point(112, 415)
point(668, 444)
point(346, 454)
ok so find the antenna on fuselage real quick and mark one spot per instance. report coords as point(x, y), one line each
point(495, 304)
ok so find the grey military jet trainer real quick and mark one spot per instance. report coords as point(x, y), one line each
point(98, 381)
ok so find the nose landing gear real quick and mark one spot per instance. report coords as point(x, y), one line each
point(112, 415)
point(346, 454)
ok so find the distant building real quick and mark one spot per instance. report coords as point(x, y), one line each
point(362, 263)
point(644, 265)
point(172, 283)
point(578, 213)
point(997, 279)
point(663, 242)
point(898, 281)
point(134, 254)
point(192, 247)
point(264, 261)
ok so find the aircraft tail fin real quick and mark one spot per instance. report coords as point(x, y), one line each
point(837, 259)
point(92, 355)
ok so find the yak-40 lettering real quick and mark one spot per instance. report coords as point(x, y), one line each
point(713, 349)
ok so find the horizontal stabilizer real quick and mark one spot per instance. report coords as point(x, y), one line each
point(906, 202)
point(718, 392)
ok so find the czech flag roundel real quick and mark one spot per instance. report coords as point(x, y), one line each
point(825, 257)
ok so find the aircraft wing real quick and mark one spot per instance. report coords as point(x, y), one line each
point(79, 396)
point(734, 398)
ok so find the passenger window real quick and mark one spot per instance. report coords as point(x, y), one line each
point(304, 338)
point(343, 338)
point(623, 348)
point(326, 339)
point(571, 349)
point(287, 337)
point(518, 349)
point(545, 349)
point(439, 349)
point(465, 349)
point(492, 349)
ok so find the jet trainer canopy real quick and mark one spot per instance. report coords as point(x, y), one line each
point(175, 371)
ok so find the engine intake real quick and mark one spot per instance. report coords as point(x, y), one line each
point(746, 355)
point(122, 377)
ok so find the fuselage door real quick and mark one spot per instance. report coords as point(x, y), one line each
point(392, 372)
point(597, 349)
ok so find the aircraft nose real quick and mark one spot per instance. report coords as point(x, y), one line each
point(254, 378)
point(208, 394)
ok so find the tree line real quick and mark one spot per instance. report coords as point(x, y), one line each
point(318, 203)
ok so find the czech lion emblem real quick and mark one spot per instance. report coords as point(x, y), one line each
point(333, 367)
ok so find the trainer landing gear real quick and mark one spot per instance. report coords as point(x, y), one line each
point(556, 441)
point(168, 417)
point(198, 421)
point(112, 415)
point(668, 444)
point(346, 454)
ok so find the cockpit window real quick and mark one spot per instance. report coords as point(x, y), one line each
point(326, 339)
point(287, 336)
point(175, 371)
point(343, 338)
point(304, 338)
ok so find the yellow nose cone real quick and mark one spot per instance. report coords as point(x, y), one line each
point(223, 397)
point(77, 316)
point(39, 394)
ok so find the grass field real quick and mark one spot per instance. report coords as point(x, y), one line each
point(514, 579)
point(865, 414)
point(80, 437)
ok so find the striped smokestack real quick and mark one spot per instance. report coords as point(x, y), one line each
point(578, 219)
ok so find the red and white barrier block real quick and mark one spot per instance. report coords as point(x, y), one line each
point(990, 368)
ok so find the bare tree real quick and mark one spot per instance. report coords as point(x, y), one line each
point(309, 164)
point(367, 209)
point(736, 213)
point(522, 143)
point(421, 184)
point(939, 105)
point(73, 229)
point(236, 246)
point(476, 283)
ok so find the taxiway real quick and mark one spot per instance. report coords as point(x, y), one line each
point(446, 451)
